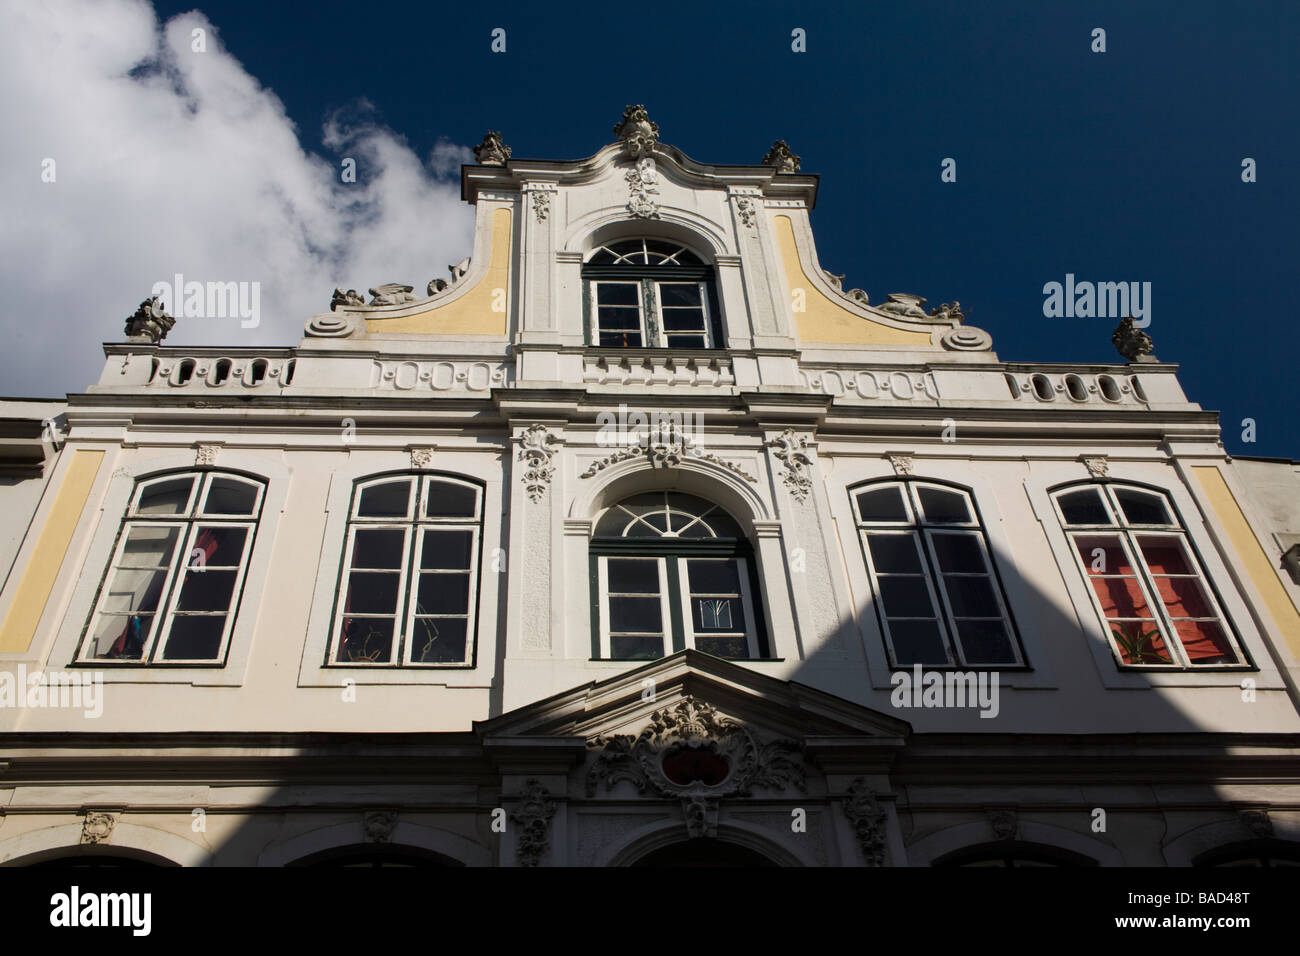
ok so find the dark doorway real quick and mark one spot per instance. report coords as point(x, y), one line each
point(704, 853)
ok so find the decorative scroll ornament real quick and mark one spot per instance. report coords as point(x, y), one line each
point(694, 754)
point(666, 447)
point(97, 827)
point(421, 458)
point(966, 338)
point(330, 326)
point(1132, 343)
point(536, 451)
point(868, 819)
point(435, 286)
point(902, 464)
point(379, 825)
point(533, 816)
point(1005, 823)
point(836, 280)
point(1098, 466)
point(1257, 821)
point(636, 131)
point(781, 157)
point(150, 322)
point(790, 450)
point(491, 152)
point(541, 205)
point(745, 209)
point(641, 180)
point(206, 454)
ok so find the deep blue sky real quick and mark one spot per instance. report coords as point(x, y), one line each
point(1117, 166)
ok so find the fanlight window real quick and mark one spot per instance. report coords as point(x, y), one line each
point(173, 584)
point(409, 585)
point(648, 293)
point(1145, 580)
point(936, 590)
point(672, 571)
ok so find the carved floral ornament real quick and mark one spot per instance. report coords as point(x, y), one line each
point(692, 753)
point(536, 449)
point(868, 819)
point(637, 132)
point(665, 446)
point(491, 152)
point(791, 450)
point(378, 825)
point(97, 827)
point(533, 818)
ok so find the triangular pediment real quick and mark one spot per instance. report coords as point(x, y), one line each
point(626, 703)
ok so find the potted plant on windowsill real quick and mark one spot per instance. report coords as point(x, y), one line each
point(1138, 646)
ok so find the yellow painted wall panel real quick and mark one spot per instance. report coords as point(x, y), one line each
point(472, 313)
point(1254, 561)
point(824, 320)
point(42, 568)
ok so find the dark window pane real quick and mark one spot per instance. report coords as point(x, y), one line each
point(1141, 507)
point(683, 320)
point(388, 500)
point(635, 647)
point(371, 593)
point(687, 342)
point(227, 496)
point(971, 597)
point(714, 577)
point(619, 319)
point(678, 294)
point(443, 594)
point(986, 642)
point(894, 552)
point(633, 576)
point(733, 646)
point(378, 549)
point(917, 642)
point(218, 546)
point(944, 506)
point(958, 552)
point(134, 590)
point(635, 614)
point(882, 504)
point(1084, 507)
point(449, 500)
point(168, 497)
point(439, 640)
point(366, 640)
point(717, 614)
point(620, 340)
point(446, 549)
point(657, 521)
point(206, 591)
point(905, 597)
point(195, 638)
point(616, 293)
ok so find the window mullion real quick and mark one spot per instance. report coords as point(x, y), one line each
point(649, 315)
point(171, 590)
point(1160, 613)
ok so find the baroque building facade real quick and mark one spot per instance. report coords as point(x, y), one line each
point(639, 540)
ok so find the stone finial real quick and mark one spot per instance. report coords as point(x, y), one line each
point(150, 322)
point(349, 299)
point(1132, 343)
point(637, 132)
point(491, 152)
point(781, 157)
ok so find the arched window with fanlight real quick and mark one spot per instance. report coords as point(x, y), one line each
point(173, 583)
point(1146, 581)
point(673, 571)
point(408, 589)
point(936, 589)
point(650, 293)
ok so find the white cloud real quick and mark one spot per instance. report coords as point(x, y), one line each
point(169, 160)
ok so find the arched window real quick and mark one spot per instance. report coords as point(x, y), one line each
point(1264, 852)
point(650, 293)
point(409, 585)
point(936, 591)
point(1146, 582)
point(671, 571)
point(173, 584)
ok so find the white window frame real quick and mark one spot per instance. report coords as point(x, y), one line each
point(413, 525)
point(665, 605)
point(921, 531)
point(189, 522)
point(1126, 532)
point(746, 601)
point(650, 310)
